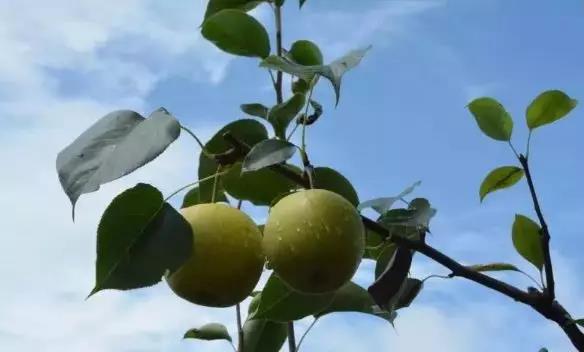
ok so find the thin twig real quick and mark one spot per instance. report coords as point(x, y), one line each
point(192, 184)
point(306, 333)
point(239, 328)
point(291, 337)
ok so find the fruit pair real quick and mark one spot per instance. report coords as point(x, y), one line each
point(313, 240)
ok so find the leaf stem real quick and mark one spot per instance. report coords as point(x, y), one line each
point(291, 337)
point(278, 16)
point(528, 145)
point(215, 181)
point(513, 149)
point(196, 139)
point(205, 179)
point(240, 339)
point(306, 333)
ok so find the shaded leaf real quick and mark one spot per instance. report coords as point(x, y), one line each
point(281, 303)
point(549, 107)
point(215, 6)
point(281, 115)
point(139, 238)
point(408, 292)
point(384, 259)
point(332, 180)
point(333, 72)
point(114, 147)
point(389, 283)
point(527, 240)
point(193, 197)
point(267, 153)
point(260, 335)
point(260, 187)
point(403, 221)
point(255, 109)
point(354, 298)
point(248, 131)
point(305, 52)
point(209, 332)
point(493, 267)
point(381, 205)
point(500, 178)
point(492, 118)
point(374, 244)
point(579, 322)
point(237, 33)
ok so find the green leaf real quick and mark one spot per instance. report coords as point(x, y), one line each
point(492, 118)
point(384, 259)
point(139, 238)
point(354, 298)
point(255, 109)
point(579, 322)
point(260, 187)
point(402, 221)
point(305, 52)
point(549, 107)
point(527, 240)
point(281, 303)
point(408, 292)
point(215, 6)
point(500, 178)
point(387, 286)
point(381, 205)
point(281, 115)
point(332, 180)
point(209, 332)
point(113, 147)
point(333, 72)
point(260, 335)
point(237, 33)
point(267, 153)
point(248, 131)
point(493, 267)
point(300, 86)
point(374, 244)
point(193, 197)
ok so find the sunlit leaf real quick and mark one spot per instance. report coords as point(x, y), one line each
point(381, 205)
point(500, 178)
point(492, 118)
point(549, 107)
point(215, 6)
point(114, 147)
point(255, 109)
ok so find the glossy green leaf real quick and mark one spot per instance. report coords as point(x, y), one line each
point(237, 33)
point(354, 298)
point(549, 107)
point(334, 181)
point(493, 267)
point(333, 72)
point(305, 52)
point(267, 153)
point(193, 197)
point(492, 118)
point(215, 6)
point(260, 335)
point(260, 187)
point(500, 178)
point(255, 109)
point(209, 332)
point(527, 240)
point(113, 147)
point(281, 115)
point(281, 303)
point(139, 238)
point(248, 131)
point(381, 205)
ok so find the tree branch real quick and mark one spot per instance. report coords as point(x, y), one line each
point(291, 337)
point(550, 309)
point(550, 287)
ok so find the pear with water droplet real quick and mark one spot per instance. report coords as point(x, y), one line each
point(314, 240)
point(227, 258)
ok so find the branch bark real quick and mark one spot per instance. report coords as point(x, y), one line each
point(540, 302)
point(550, 285)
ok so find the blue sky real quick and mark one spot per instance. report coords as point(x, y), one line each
point(402, 118)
